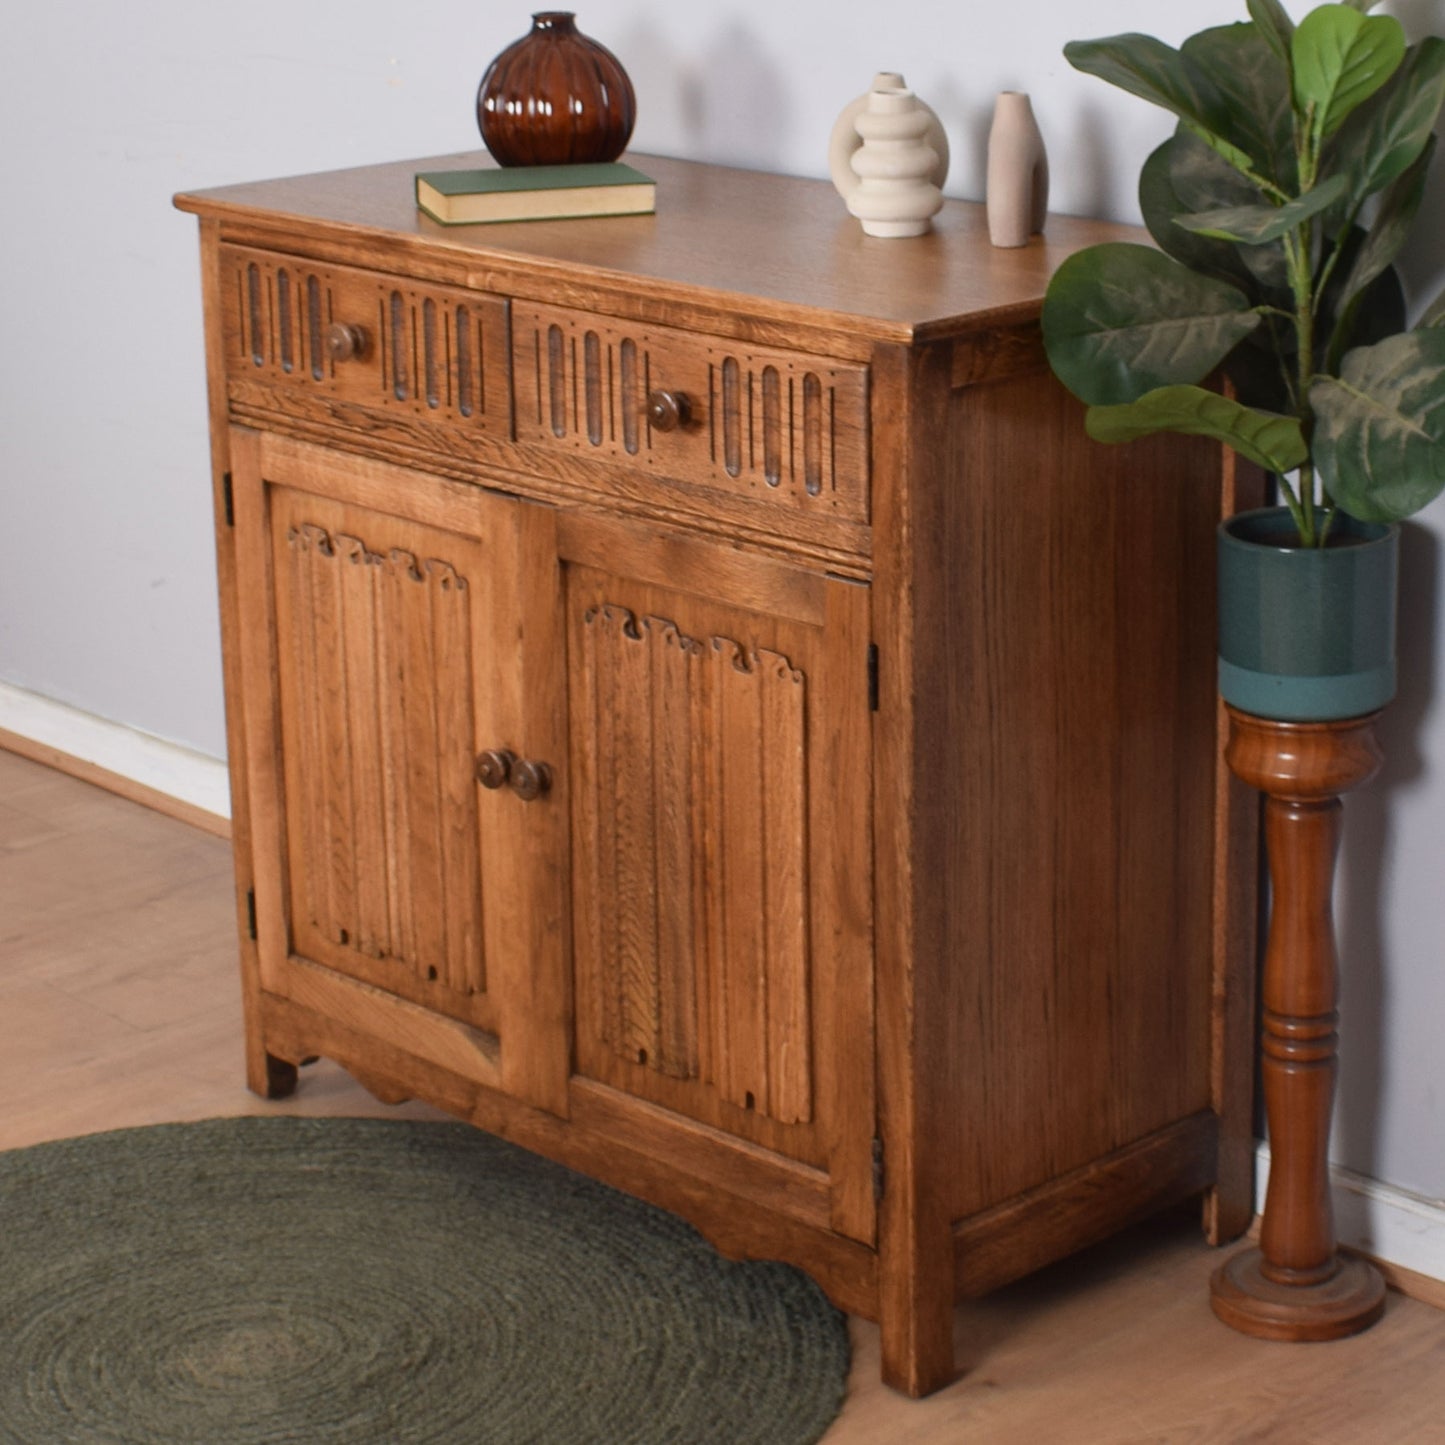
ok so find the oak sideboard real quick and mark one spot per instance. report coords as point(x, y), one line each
point(700, 707)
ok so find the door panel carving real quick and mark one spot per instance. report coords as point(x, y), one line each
point(720, 956)
point(701, 759)
point(378, 737)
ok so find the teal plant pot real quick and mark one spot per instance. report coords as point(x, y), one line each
point(1306, 634)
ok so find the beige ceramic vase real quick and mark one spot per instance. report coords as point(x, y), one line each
point(888, 156)
point(1018, 172)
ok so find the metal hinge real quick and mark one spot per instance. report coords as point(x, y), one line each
point(251, 910)
point(877, 1170)
point(230, 499)
point(872, 677)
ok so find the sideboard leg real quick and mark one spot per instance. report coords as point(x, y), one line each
point(268, 1076)
point(918, 1353)
point(915, 1307)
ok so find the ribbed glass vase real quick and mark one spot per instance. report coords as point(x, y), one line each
point(555, 97)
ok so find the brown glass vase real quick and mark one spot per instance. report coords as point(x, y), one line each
point(554, 97)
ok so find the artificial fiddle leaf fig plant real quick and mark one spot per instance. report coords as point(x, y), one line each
point(1278, 206)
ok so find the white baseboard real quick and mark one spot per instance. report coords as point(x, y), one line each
point(1389, 1224)
point(166, 767)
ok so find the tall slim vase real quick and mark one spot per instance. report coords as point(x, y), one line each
point(1018, 172)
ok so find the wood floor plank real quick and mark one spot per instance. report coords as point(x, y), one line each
point(119, 1006)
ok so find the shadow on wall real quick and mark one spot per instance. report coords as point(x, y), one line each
point(1090, 174)
point(1367, 853)
point(964, 122)
point(1367, 856)
point(1419, 17)
point(734, 109)
point(1421, 260)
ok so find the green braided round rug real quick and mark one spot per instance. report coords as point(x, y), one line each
point(362, 1280)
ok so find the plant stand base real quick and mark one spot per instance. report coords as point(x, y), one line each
point(1246, 1299)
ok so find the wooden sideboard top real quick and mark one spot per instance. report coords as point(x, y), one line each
point(790, 244)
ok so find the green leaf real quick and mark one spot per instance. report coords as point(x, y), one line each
point(1379, 438)
point(1383, 140)
point(1158, 73)
point(1273, 442)
point(1341, 59)
point(1260, 369)
point(1255, 225)
point(1274, 24)
point(1398, 208)
point(1435, 312)
point(1252, 84)
point(1378, 312)
point(1159, 203)
point(1205, 182)
point(1343, 319)
point(1120, 320)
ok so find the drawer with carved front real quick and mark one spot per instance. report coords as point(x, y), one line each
point(344, 334)
point(772, 427)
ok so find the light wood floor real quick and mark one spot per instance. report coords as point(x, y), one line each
point(118, 1007)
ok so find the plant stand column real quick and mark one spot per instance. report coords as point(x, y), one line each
point(1296, 1286)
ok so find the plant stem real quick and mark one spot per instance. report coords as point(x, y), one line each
point(1272, 316)
point(1301, 282)
point(1341, 239)
point(1300, 251)
point(1306, 518)
point(1292, 502)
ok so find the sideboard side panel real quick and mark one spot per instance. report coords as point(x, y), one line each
point(1229, 1206)
point(1076, 738)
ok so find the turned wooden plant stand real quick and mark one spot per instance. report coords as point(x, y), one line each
point(1295, 1285)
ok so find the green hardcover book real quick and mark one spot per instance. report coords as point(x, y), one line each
point(534, 193)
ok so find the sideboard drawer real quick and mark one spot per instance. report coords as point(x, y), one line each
point(773, 427)
point(438, 352)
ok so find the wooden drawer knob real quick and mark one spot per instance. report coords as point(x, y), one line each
point(530, 780)
point(668, 410)
point(345, 341)
point(494, 767)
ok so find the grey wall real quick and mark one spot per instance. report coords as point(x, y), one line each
point(107, 586)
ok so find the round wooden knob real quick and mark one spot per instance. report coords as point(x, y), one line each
point(530, 780)
point(494, 767)
point(668, 410)
point(345, 340)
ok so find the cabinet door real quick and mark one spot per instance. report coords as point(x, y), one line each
point(384, 648)
point(721, 877)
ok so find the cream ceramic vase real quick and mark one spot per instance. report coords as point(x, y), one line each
point(1018, 172)
point(888, 156)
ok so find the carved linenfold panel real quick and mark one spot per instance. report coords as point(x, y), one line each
point(771, 425)
point(382, 812)
point(694, 806)
point(438, 351)
point(648, 984)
